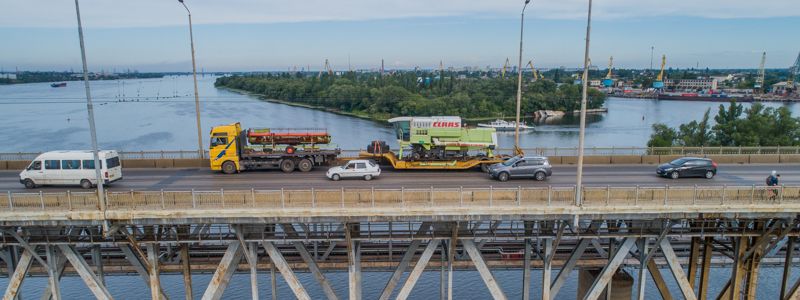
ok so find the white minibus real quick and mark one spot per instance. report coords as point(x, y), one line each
point(71, 168)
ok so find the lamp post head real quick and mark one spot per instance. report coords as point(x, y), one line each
point(526, 1)
point(181, 1)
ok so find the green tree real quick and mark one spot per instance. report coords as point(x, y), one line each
point(663, 136)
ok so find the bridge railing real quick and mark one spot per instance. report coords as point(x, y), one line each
point(402, 198)
point(547, 151)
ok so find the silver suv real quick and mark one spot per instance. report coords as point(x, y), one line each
point(537, 167)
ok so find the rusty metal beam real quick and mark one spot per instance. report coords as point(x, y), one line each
point(353, 264)
point(694, 254)
point(677, 270)
point(222, 276)
point(483, 269)
point(417, 271)
point(155, 278)
point(330, 293)
point(20, 272)
point(280, 262)
point(79, 264)
point(54, 272)
point(569, 265)
point(601, 282)
point(705, 269)
point(186, 269)
point(547, 267)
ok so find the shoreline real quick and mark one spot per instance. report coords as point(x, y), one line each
point(356, 115)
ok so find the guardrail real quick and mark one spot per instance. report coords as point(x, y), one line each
point(402, 198)
point(551, 151)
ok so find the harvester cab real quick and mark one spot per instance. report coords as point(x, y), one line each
point(441, 138)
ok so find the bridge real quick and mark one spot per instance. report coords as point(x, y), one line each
point(685, 229)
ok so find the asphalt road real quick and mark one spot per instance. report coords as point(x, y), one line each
point(594, 175)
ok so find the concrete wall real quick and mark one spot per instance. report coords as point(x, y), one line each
point(555, 160)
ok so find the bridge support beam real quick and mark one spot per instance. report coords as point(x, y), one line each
point(280, 262)
point(311, 262)
point(76, 260)
point(677, 270)
point(569, 265)
point(705, 268)
point(139, 264)
point(483, 269)
point(97, 260)
point(186, 269)
point(601, 282)
point(222, 276)
point(155, 279)
point(405, 291)
point(403, 265)
point(694, 254)
point(353, 262)
point(20, 272)
point(547, 267)
point(54, 272)
point(787, 267)
point(526, 271)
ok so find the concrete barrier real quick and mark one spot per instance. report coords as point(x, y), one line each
point(764, 159)
point(555, 160)
point(190, 163)
point(569, 160)
point(790, 158)
point(731, 159)
point(3, 165)
point(138, 163)
point(17, 165)
point(626, 159)
point(651, 159)
point(164, 163)
point(668, 158)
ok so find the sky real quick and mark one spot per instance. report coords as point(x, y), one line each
point(253, 35)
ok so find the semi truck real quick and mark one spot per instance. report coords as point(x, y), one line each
point(439, 142)
point(233, 149)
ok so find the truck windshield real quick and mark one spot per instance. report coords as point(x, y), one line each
point(218, 141)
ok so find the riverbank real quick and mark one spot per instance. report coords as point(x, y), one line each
point(363, 116)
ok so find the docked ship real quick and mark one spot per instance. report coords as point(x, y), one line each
point(58, 84)
point(706, 97)
point(503, 125)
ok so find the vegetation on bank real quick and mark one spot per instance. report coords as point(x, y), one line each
point(32, 77)
point(733, 126)
point(413, 93)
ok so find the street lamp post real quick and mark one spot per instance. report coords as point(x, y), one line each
point(90, 108)
point(519, 79)
point(196, 95)
point(584, 95)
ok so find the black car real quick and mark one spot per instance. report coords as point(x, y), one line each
point(688, 167)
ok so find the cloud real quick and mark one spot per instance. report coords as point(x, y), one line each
point(153, 13)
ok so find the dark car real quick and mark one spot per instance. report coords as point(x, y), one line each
point(688, 167)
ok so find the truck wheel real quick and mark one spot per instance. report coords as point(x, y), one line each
point(305, 165)
point(287, 165)
point(86, 184)
point(485, 168)
point(29, 184)
point(228, 167)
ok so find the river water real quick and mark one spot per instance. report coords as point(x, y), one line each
point(159, 114)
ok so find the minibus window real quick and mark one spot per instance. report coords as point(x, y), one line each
point(89, 164)
point(52, 164)
point(36, 165)
point(112, 162)
point(70, 164)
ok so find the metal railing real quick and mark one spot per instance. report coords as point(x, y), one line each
point(711, 197)
point(551, 151)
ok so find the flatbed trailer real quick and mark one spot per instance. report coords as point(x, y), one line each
point(451, 164)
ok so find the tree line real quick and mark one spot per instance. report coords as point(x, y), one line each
point(413, 93)
point(733, 126)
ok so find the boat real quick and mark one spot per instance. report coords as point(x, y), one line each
point(58, 84)
point(503, 125)
point(705, 97)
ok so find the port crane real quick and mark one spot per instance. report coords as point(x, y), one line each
point(794, 71)
point(326, 67)
point(534, 72)
point(608, 81)
point(761, 73)
point(505, 67)
point(659, 83)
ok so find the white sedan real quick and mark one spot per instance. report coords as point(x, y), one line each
point(360, 168)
